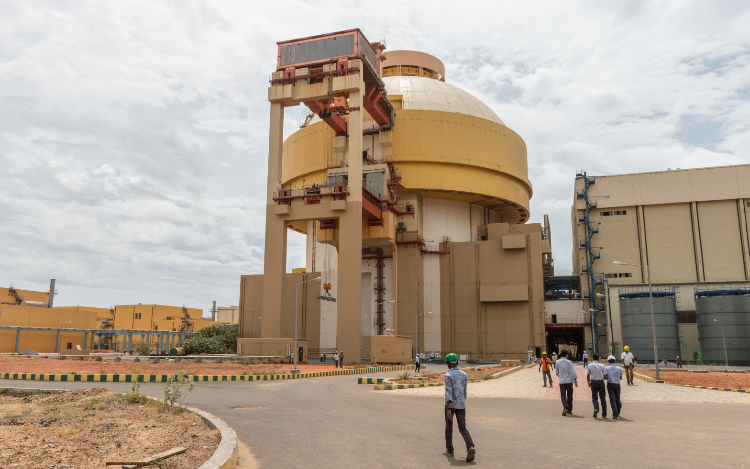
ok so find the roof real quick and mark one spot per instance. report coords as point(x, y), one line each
point(434, 95)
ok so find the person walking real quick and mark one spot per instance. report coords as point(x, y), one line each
point(545, 365)
point(336, 359)
point(566, 374)
point(416, 362)
point(455, 405)
point(595, 378)
point(613, 375)
point(628, 362)
point(585, 360)
point(679, 362)
point(554, 360)
point(665, 363)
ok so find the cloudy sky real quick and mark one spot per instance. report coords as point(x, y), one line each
point(133, 135)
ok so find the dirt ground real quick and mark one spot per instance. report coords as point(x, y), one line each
point(714, 380)
point(88, 427)
point(473, 375)
point(41, 365)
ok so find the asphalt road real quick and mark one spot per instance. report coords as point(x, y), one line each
point(334, 422)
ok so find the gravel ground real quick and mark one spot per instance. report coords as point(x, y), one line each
point(87, 427)
point(712, 379)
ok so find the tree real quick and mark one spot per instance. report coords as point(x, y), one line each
point(215, 340)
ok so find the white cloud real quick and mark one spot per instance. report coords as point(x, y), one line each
point(133, 135)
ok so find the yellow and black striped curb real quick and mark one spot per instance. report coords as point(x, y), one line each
point(648, 379)
point(370, 380)
point(715, 389)
point(388, 387)
point(507, 372)
point(126, 378)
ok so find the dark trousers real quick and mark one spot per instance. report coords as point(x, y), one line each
point(547, 374)
point(679, 365)
point(460, 416)
point(566, 395)
point(417, 367)
point(597, 393)
point(337, 363)
point(585, 362)
point(614, 398)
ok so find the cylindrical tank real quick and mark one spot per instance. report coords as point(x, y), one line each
point(37, 304)
point(635, 314)
point(731, 310)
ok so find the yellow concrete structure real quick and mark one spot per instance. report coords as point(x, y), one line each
point(12, 296)
point(690, 226)
point(123, 317)
point(443, 201)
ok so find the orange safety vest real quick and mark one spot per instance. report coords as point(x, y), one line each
point(545, 364)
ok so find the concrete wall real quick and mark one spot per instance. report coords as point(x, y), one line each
point(309, 321)
point(231, 314)
point(510, 322)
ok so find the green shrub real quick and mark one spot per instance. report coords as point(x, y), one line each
point(143, 348)
point(212, 340)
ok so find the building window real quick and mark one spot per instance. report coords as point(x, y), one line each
point(611, 213)
point(628, 274)
point(605, 214)
point(156, 327)
point(70, 346)
point(169, 318)
point(620, 212)
point(554, 319)
point(138, 315)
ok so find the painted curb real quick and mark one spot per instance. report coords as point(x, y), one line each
point(225, 456)
point(647, 379)
point(120, 378)
point(370, 380)
point(715, 389)
point(507, 372)
point(389, 387)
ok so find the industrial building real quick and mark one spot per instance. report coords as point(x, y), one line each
point(690, 227)
point(30, 321)
point(431, 250)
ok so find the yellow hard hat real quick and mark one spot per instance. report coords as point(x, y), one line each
point(678, 356)
point(544, 353)
point(627, 348)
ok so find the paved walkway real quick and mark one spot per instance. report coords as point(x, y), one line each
point(527, 384)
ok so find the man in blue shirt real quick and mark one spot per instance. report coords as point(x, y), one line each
point(613, 374)
point(455, 405)
point(595, 378)
point(585, 359)
point(567, 375)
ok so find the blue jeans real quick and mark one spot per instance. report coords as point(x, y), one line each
point(546, 374)
point(614, 398)
point(598, 393)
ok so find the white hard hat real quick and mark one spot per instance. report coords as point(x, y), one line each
point(611, 357)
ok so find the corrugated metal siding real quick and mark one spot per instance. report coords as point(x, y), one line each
point(321, 49)
point(366, 50)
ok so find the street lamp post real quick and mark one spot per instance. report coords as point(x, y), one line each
point(726, 358)
point(362, 340)
point(295, 370)
point(254, 325)
point(416, 336)
point(651, 303)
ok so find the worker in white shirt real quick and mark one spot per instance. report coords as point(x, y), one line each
point(595, 378)
point(613, 375)
point(585, 359)
point(628, 363)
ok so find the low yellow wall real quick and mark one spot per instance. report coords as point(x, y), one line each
point(391, 348)
point(270, 347)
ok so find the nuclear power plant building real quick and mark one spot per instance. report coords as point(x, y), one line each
point(414, 198)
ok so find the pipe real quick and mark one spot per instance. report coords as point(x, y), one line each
point(51, 299)
point(38, 304)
